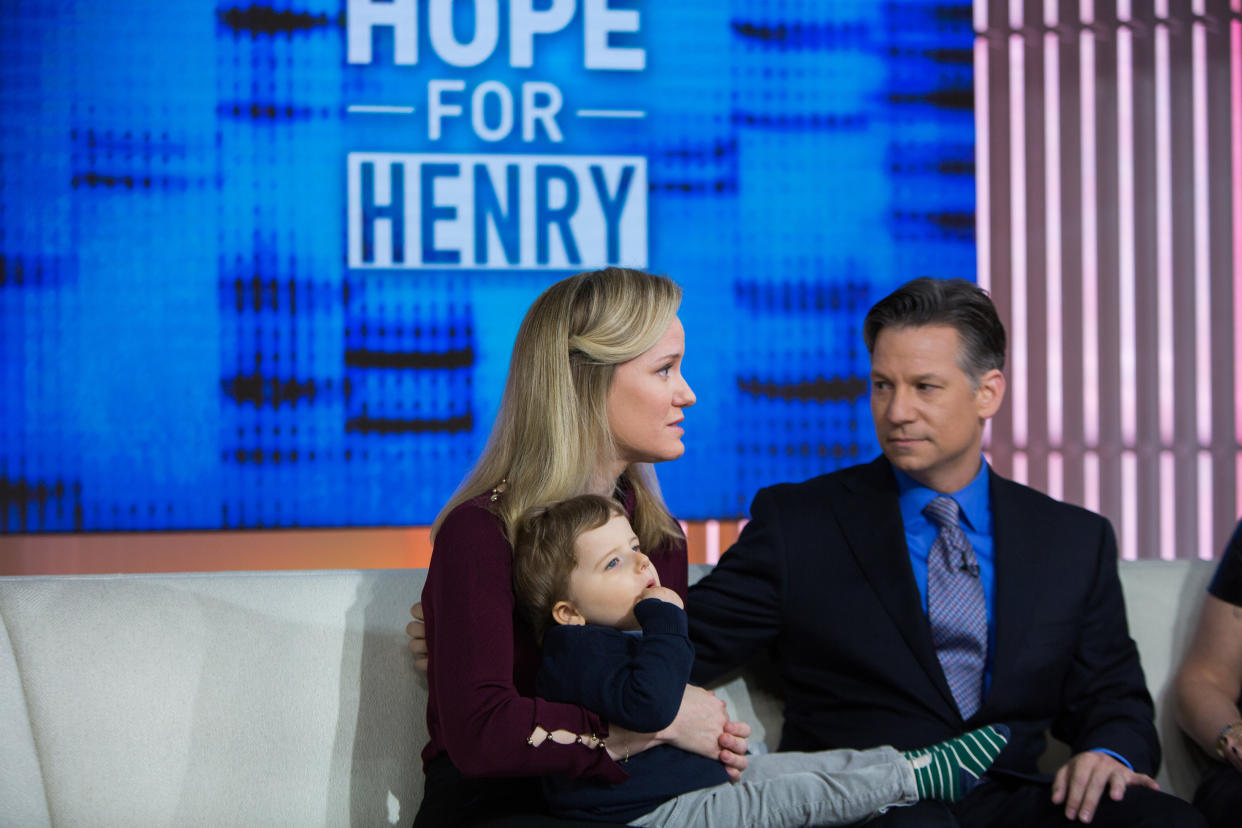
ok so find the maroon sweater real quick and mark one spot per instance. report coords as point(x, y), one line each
point(481, 706)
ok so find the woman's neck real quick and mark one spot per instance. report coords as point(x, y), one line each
point(604, 481)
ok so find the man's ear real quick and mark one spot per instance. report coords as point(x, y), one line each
point(991, 393)
point(564, 612)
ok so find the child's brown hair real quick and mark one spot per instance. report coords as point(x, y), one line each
point(544, 553)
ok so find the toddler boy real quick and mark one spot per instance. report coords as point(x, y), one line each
point(616, 642)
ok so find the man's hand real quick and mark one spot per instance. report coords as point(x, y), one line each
point(662, 594)
point(1081, 781)
point(417, 632)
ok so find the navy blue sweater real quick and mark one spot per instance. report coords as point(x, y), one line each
point(636, 682)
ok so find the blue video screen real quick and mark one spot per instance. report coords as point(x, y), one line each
point(262, 266)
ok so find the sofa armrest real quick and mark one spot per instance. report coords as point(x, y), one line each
point(281, 698)
point(21, 777)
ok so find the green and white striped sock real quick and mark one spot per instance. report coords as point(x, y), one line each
point(950, 770)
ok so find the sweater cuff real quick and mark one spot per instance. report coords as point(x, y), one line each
point(661, 618)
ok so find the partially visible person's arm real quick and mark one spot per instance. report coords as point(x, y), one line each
point(1106, 706)
point(1209, 683)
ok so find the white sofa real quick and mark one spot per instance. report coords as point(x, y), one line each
point(288, 698)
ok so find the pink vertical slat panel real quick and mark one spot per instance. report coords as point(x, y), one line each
point(1018, 391)
point(1235, 118)
point(1202, 243)
point(1090, 260)
point(1164, 259)
point(1052, 233)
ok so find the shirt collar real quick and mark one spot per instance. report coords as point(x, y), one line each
point(974, 499)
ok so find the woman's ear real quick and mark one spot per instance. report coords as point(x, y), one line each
point(564, 612)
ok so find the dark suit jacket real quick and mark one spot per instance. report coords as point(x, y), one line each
point(821, 578)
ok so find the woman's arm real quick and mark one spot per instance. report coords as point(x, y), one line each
point(702, 725)
point(476, 711)
point(1209, 683)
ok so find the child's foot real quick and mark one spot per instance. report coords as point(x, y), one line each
point(950, 770)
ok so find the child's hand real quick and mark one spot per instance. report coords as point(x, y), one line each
point(662, 594)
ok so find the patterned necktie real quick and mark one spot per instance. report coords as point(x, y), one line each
point(956, 607)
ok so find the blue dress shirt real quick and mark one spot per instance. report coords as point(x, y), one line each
point(975, 502)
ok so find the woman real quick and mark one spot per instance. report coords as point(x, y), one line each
point(1209, 690)
point(594, 395)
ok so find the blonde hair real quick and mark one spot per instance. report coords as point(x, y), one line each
point(551, 434)
point(545, 553)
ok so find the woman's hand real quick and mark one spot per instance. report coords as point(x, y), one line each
point(622, 743)
point(417, 632)
point(733, 748)
point(702, 726)
point(1232, 748)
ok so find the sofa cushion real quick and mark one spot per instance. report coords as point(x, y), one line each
point(227, 699)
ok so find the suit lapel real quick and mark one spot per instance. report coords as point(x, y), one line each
point(1019, 577)
point(870, 518)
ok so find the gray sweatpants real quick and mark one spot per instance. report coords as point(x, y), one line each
point(831, 787)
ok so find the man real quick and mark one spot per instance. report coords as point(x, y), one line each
point(896, 615)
